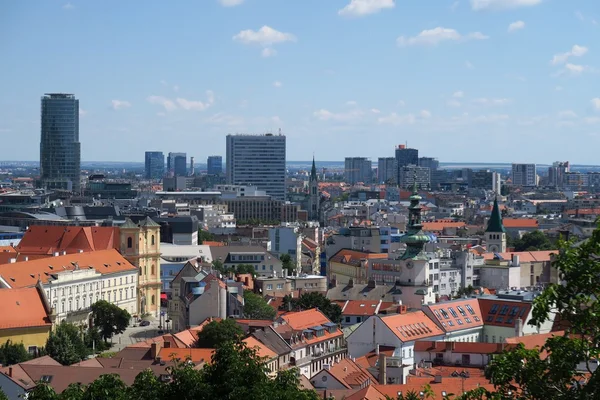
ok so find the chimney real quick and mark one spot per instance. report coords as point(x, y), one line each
point(515, 261)
point(10, 372)
point(154, 350)
point(382, 369)
point(12, 260)
point(56, 254)
point(371, 284)
point(450, 346)
point(377, 349)
point(519, 327)
point(437, 379)
point(351, 283)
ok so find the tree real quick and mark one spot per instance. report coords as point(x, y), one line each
point(2, 395)
point(109, 386)
point(13, 353)
point(42, 392)
point(146, 386)
point(245, 269)
point(75, 391)
point(256, 307)
point(218, 266)
point(313, 300)
point(522, 372)
point(287, 264)
point(464, 291)
point(205, 236)
point(65, 344)
point(217, 332)
point(532, 241)
point(109, 318)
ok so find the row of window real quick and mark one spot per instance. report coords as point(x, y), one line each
point(86, 301)
point(83, 287)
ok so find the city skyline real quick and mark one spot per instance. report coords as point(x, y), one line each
point(446, 78)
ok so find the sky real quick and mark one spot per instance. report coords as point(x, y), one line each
point(466, 80)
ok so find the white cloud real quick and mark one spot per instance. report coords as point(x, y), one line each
point(277, 84)
point(163, 82)
point(575, 69)
point(491, 118)
point(453, 103)
point(469, 65)
point(375, 111)
point(596, 103)
point(567, 114)
point(119, 104)
point(396, 119)
point(326, 115)
point(360, 8)
point(425, 114)
point(230, 3)
point(491, 102)
point(592, 120)
point(515, 26)
point(168, 104)
point(576, 51)
point(268, 52)
point(496, 5)
point(82, 112)
point(67, 6)
point(438, 35)
point(265, 36)
point(459, 94)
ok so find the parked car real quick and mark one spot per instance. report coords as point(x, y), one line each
point(144, 323)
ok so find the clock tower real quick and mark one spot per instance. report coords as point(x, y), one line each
point(415, 238)
point(495, 234)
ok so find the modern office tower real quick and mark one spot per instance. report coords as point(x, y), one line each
point(409, 173)
point(524, 175)
point(177, 164)
point(556, 173)
point(429, 162)
point(358, 169)
point(155, 164)
point(214, 165)
point(257, 160)
point(60, 150)
point(386, 170)
point(406, 156)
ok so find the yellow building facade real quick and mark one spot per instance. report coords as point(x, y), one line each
point(140, 245)
point(32, 338)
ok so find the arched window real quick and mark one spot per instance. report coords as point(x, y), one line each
point(152, 240)
point(129, 242)
point(152, 270)
point(145, 270)
point(153, 300)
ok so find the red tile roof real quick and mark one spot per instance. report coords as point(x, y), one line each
point(350, 374)
point(438, 226)
point(195, 355)
point(460, 347)
point(353, 257)
point(504, 313)
point(457, 315)
point(534, 341)
point(361, 307)
point(300, 320)
point(44, 239)
point(412, 326)
point(261, 350)
point(524, 256)
point(22, 308)
point(27, 273)
point(520, 223)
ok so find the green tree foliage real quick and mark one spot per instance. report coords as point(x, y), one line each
point(109, 318)
point(287, 264)
point(42, 392)
point(532, 241)
point(146, 387)
point(109, 386)
point(238, 269)
point(94, 341)
point(75, 391)
point(13, 353)
point(313, 300)
point(464, 291)
point(256, 307)
point(2, 395)
point(65, 344)
point(204, 236)
point(218, 332)
point(244, 269)
point(521, 373)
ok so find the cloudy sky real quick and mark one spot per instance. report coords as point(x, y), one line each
point(466, 80)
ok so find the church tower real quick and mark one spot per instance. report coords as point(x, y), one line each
point(313, 194)
point(495, 234)
point(415, 239)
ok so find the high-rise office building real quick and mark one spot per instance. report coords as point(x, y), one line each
point(214, 165)
point(358, 169)
point(429, 162)
point(557, 172)
point(411, 173)
point(155, 164)
point(60, 150)
point(257, 160)
point(386, 170)
point(406, 156)
point(177, 164)
point(524, 175)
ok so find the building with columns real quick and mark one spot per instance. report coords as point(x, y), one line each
point(140, 245)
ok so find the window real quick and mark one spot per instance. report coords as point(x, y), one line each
point(153, 300)
point(454, 314)
point(140, 270)
point(503, 310)
point(461, 311)
point(514, 311)
point(470, 309)
point(120, 294)
point(444, 313)
point(120, 281)
point(348, 319)
point(493, 339)
point(145, 270)
point(476, 318)
point(489, 318)
point(152, 268)
point(269, 287)
point(459, 321)
point(32, 350)
point(494, 309)
point(129, 242)
point(468, 320)
point(263, 268)
point(152, 240)
point(500, 320)
point(450, 323)
point(280, 286)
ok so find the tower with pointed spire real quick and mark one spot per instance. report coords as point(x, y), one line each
point(313, 194)
point(495, 234)
point(415, 239)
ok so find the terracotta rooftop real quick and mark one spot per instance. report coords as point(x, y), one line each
point(300, 320)
point(350, 374)
point(534, 341)
point(353, 257)
point(412, 326)
point(457, 314)
point(437, 226)
point(27, 273)
point(498, 312)
point(524, 256)
point(520, 223)
point(460, 347)
point(261, 350)
point(195, 355)
point(22, 308)
point(363, 307)
point(44, 239)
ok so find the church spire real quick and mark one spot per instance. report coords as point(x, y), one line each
point(313, 171)
point(495, 223)
point(415, 238)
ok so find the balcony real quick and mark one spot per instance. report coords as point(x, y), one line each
point(318, 355)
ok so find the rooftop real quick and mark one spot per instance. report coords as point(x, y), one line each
point(23, 308)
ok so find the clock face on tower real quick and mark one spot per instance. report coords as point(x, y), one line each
point(409, 264)
point(494, 249)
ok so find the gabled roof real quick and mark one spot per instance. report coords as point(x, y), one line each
point(438, 226)
point(364, 307)
point(500, 312)
point(457, 314)
point(26, 273)
point(354, 257)
point(272, 340)
point(194, 354)
point(524, 256)
point(148, 222)
point(350, 374)
point(44, 239)
point(526, 223)
point(261, 350)
point(534, 341)
point(23, 308)
point(300, 320)
point(412, 326)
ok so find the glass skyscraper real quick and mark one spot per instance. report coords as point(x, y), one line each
point(257, 160)
point(60, 150)
point(214, 165)
point(155, 164)
point(177, 164)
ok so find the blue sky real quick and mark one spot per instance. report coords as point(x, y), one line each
point(466, 80)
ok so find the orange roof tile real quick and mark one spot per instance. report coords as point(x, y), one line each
point(437, 226)
point(524, 256)
point(22, 308)
point(44, 239)
point(350, 374)
point(300, 320)
point(360, 307)
point(212, 243)
point(504, 313)
point(460, 347)
point(412, 326)
point(520, 223)
point(196, 355)
point(261, 350)
point(353, 257)
point(27, 273)
point(7, 249)
point(534, 341)
point(368, 393)
point(457, 314)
